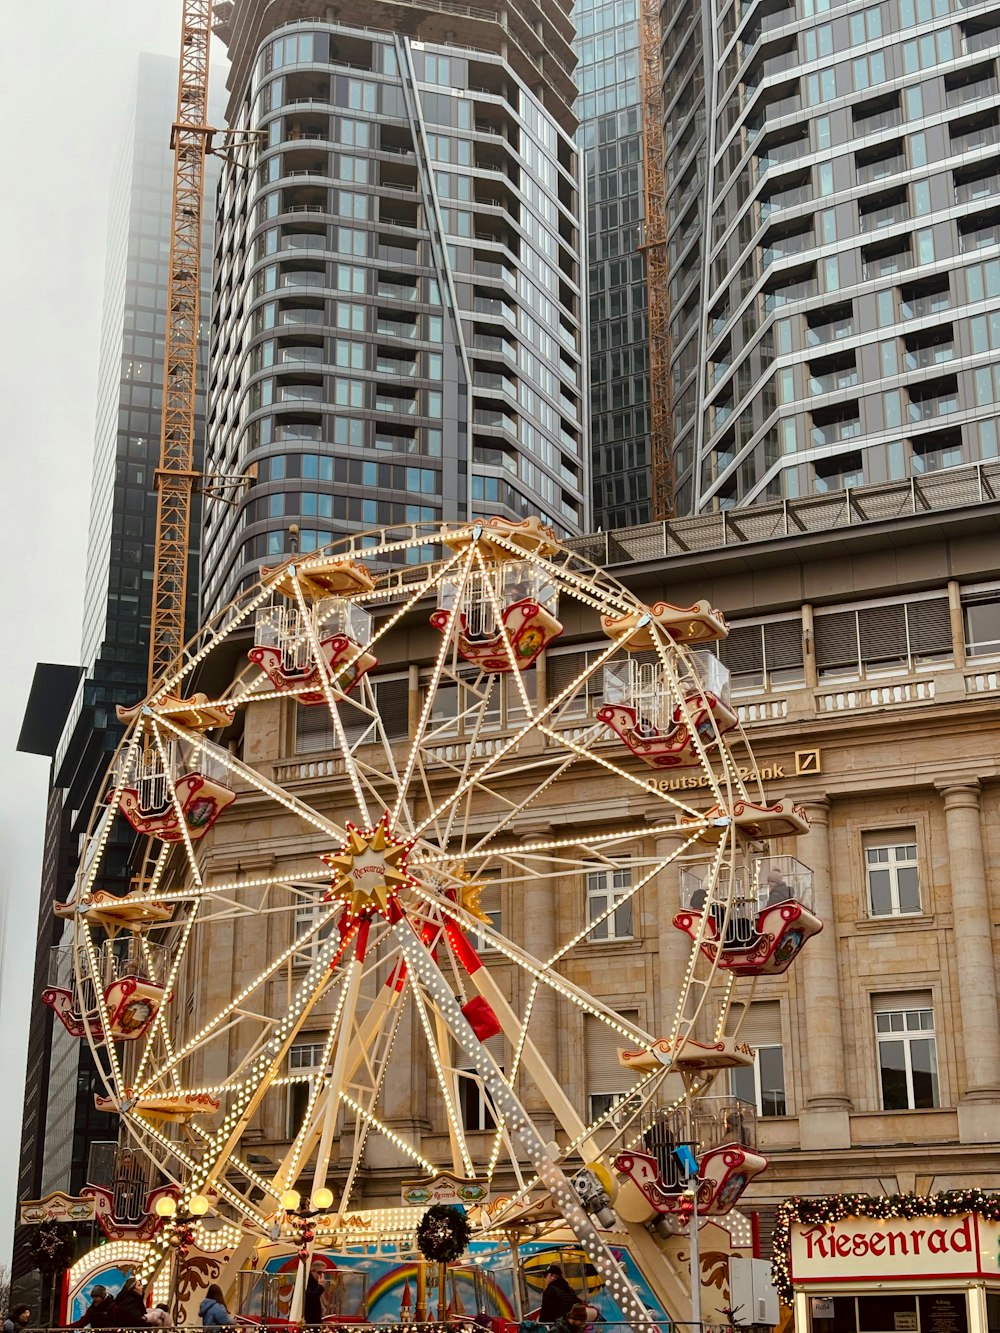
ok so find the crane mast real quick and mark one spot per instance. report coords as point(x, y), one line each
point(657, 272)
point(190, 139)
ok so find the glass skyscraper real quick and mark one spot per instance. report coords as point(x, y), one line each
point(60, 1121)
point(609, 107)
point(396, 329)
point(834, 204)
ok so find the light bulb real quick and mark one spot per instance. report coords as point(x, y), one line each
point(290, 1200)
point(322, 1199)
point(166, 1206)
point(199, 1205)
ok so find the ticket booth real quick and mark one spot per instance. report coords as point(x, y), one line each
point(930, 1273)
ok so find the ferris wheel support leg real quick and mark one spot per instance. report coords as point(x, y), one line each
point(547, 1083)
point(522, 1131)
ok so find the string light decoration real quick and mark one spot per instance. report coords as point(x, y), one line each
point(443, 1233)
point(409, 831)
point(881, 1207)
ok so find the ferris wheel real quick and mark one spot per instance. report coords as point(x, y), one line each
point(361, 920)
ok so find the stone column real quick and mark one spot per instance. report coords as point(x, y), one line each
point(823, 1120)
point(977, 983)
point(539, 934)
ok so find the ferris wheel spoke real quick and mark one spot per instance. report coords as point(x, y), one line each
point(430, 694)
point(212, 1024)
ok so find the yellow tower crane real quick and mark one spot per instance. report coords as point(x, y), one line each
point(657, 271)
point(190, 139)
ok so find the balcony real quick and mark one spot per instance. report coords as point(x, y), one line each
point(834, 380)
point(884, 266)
point(392, 403)
point(392, 291)
point(397, 328)
point(930, 409)
point(879, 121)
point(830, 331)
point(396, 367)
point(796, 291)
point(889, 216)
point(836, 432)
point(304, 240)
point(919, 307)
point(869, 172)
point(964, 93)
point(982, 187)
point(938, 354)
point(305, 277)
point(305, 354)
point(304, 315)
point(982, 136)
point(482, 379)
point(977, 238)
point(300, 393)
point(786, 246)
point(775, 203)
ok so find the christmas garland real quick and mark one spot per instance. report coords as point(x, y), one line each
point(834, 1207)
point(443, 1233)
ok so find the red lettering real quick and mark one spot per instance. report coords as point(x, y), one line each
point(962, 1233)
point(916, 1237)
point(860, 1245)
point(815, 1239)
point(894, 1238)
point(876, 1244)
point(843, 1246)
point(937, 1242)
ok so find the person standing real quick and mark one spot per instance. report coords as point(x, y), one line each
point(558, 1298)
point(100, 1312)
point(312, 1309)
point(213, 1310)
point(17, 1319)
point(129, 1307)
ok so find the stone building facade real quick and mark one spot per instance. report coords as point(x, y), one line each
point(865, 659)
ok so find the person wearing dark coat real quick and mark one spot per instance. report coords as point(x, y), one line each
point(312, 1309)
point(128, 1308)
point(99, 1313)
point(558, 1298)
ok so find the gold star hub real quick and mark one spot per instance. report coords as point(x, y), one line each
point(368, 868)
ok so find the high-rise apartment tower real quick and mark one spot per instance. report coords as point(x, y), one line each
point(834, 202)
point(397, 327)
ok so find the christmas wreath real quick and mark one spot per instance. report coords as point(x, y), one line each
point(443, 1233)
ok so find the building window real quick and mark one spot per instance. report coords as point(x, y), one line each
point(489, 906)
point(306, 917)
point(764, 655)
point(982, 627)
point(891, 872)
point(305, 1058)
point(475, 1104)
point(607, 1081)
point(907, 1051)
point(883, 638)
point(607, 890)
point(762, 1084)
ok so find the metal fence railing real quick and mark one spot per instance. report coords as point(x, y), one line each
point(975, 483)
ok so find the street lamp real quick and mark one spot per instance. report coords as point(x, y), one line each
point(181, 1238)
point(300, 1219)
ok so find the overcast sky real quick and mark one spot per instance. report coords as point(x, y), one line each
point(68, 70)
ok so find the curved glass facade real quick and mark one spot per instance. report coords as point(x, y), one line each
point(396, 328)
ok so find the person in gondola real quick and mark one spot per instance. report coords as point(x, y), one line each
point(558, 1298)
point(777, 890)
point(99, 1313)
